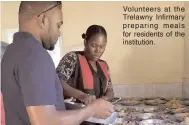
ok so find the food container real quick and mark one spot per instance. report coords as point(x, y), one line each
point(144, 116)
point(180, 116)
point(179, 98)
point(180, 110)
point(153, 98)
point(155, 102)
point(129, 103)
point(174, 104)
point(152, 109)
point(156, 122)
point(185, 103)
point(134, 99)
point(128, 110)
point(125, 121)
point(121, 120)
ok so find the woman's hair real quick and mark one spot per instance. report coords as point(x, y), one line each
point(94, 30)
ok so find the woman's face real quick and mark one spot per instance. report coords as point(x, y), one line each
point(95, 47)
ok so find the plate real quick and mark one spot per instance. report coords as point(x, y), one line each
point(153, 109)
point(129, 103)
point(154, 102)
point(186, 102)
point(134, 99)
point(155, 122)
point(180, 116)
point(180, 110)
point(144, 116)
point(109, 120)
point(153, 98)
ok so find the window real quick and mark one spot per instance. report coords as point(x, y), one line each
point(55, 54)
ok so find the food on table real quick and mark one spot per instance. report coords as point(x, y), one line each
point(174, 104)
point(180, 99)
point(155, 102)
point(122, 114)
point(134, 99)
point(186, 121)
point(129, 116)
point(180, 110)
point(128, 123)
point(126, 112)
point(159, 109)
point(160, 116)
point(182, 116)
point(185, 102)
point(153, 98)
point(129, 102)
point(144, 116)
point(156, 122)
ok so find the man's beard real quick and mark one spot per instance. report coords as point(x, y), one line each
point(51, 48)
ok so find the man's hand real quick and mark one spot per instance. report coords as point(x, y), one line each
point(102, 108)
point(87, 99)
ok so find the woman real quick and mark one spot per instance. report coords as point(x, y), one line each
point(83, 75)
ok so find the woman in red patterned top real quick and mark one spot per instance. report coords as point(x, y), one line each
point(83, 74)
point(70, 70)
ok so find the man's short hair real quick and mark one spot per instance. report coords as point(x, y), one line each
point(33, 8)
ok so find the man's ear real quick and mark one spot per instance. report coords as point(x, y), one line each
point(42, 20)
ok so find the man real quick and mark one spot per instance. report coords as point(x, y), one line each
point(30, 86)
